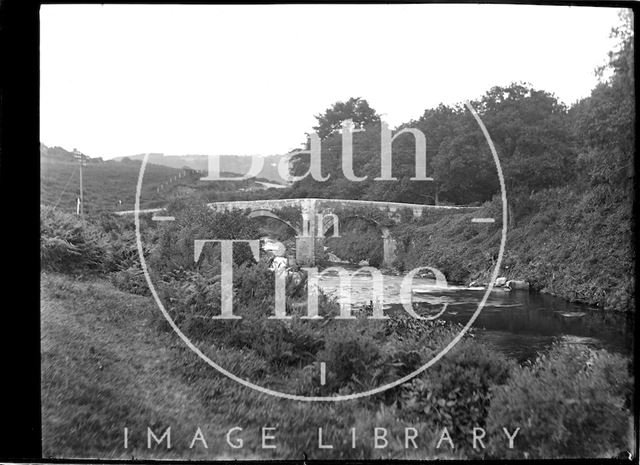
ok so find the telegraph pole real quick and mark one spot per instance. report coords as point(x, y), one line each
point(80, 158)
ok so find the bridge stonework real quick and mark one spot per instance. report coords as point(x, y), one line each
point(309, 233)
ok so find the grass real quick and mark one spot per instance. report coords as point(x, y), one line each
point(108, 363)
point(105, 365)
point(577, 246)
point(104, 184)
point(107, 183)
point(104, 368)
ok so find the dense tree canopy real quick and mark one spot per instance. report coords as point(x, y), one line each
point(604, 123)
point(530, 129)
point(540, 142)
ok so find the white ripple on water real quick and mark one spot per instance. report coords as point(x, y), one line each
point(424, 290)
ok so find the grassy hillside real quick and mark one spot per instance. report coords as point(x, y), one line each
point(105, 365)
point(237, 164)
point(97, 344)
point(111, 185)
point(108, 363)
point(105, 184)
point(574, 245)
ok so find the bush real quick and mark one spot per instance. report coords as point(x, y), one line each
point(194, 297)
point(198, 222)
point(358, 241)
point(456, 392)
point(350, 352)
point(130, 280)
point(572, 402)
point(69, 244)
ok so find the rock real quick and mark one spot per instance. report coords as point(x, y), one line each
point(363, 263)
point(518, 284)
point(501, 289)
point(501, 281)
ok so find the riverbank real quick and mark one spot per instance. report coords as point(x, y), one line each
point(577, 246)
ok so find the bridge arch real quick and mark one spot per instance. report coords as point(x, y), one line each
point(264, 213)
point(388, 242)
point(311, 208)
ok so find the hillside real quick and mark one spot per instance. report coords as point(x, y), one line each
point(561, 244)
point(111, 185)
point(236, 164)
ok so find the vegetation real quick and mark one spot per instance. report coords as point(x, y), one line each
point(134, 375)
point(110, 186)
point(355, 109)
point(110, 360)
point(471, 387)
point(541, 143)
point(359, 240)
point(580, 395)
point(568, 175)
point(561, 244)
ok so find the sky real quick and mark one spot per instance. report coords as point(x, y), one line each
point(120, 80)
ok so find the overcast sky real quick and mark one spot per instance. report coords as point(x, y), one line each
point(125, 79)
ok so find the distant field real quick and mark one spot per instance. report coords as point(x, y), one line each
point(111, 185)
point(105, 184)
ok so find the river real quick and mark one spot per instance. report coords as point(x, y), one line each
point(520, 324)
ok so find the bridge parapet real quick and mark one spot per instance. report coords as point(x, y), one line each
point(330, 204)
point(314, 210)
point(254, 204)
point(315, 215)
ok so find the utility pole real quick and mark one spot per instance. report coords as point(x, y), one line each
point(80, 158)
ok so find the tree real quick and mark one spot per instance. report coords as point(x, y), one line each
point(463, 168)
point(530, 131)
point(604, 123)
point(356, 109)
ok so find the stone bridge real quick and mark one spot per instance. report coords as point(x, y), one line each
point(316, 217)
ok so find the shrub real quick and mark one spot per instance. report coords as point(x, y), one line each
point(194, 297)
point(389, 417)
point(130, 280)
point(364, 242)
point(286, 344)
point(349, 353)
point(456, 392)
point(572, 402)
point(198, 222)
point(69, 244)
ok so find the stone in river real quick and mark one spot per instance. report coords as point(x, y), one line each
point(501, 281)
point(518, 284)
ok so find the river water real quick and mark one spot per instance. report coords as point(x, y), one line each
point(520, 324)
